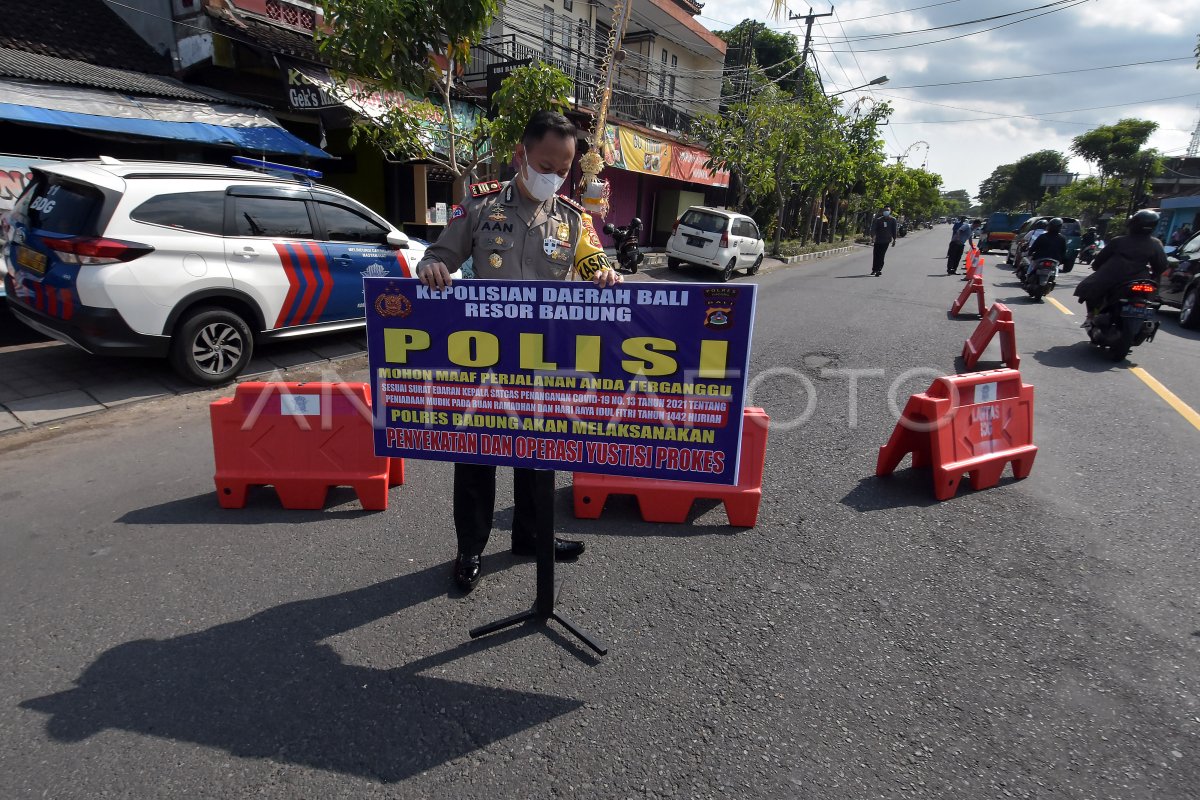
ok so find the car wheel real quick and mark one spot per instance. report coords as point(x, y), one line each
point(727, 273)
point(211, 346)
point(757, 266)
point(1189, 315)
point(673, 263)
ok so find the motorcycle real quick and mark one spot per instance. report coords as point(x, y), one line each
point(1088, 254)
point(1127, 318)
point(629, 255)
point(1038, 278)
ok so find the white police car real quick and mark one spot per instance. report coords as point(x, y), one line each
point(191, 261)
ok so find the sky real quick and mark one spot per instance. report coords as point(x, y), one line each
point(972, 128)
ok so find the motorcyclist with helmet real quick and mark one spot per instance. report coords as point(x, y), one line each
point(1051, 244)
point(1026, 244)
point(1123, 259)
point(1089, 238)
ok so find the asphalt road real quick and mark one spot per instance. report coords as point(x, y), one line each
point(1040, 639)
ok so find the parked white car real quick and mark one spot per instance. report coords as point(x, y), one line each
point(718, 239)
point(193, 262)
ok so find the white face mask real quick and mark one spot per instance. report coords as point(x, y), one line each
point(541, 186)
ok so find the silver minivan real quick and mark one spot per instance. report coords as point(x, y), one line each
point(718, 239)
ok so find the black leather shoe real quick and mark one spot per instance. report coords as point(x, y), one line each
point(564, 549)
point(467, 570)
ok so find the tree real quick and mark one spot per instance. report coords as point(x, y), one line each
point(1087, 198)
point(394, 47)
point(1119, 152)
point(996, 192)
point(1114, 149)
point(956, 203)
point(525, 91)
point(1026, 181)
point(777, 55)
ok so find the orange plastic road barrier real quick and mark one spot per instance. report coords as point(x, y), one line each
point(998, 319)
point(671, 501)
point(974, 263)
point(966, 424)
point(301, 438)
point(973, 287)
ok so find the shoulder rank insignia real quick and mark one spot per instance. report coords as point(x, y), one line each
point(569, 203)
point(485, 188)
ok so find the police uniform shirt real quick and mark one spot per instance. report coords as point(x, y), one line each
point(510, 236)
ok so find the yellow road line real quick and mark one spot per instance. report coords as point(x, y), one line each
point(1061, 307)
point(1186, 411)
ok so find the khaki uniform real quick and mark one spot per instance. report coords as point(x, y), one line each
point(510, 236)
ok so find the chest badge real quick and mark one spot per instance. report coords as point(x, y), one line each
point(496, 261)
point(564, 232)
point(497, 215)
point(550, 246)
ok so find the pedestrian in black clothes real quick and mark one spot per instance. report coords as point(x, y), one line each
point(883, 232)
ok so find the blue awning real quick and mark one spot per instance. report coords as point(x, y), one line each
point(256, 139)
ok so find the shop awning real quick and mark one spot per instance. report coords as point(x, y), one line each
point(97, 110)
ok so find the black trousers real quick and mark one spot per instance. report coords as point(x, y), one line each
point(954, 255)
point(475, 505)
point(881, 249)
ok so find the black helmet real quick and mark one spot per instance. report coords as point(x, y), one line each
point(1055, 225)
point(1143, 222)
point(962, 218)
point(1040, 225)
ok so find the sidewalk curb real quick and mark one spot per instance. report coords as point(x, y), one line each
point(12, 423)
point(836, 251)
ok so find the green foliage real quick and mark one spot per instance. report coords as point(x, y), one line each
point(1115, 149)
point(1019, 185)
point(525, 91)
point(1086, 199)
point(955, 203)
point(388, 42)
point(784, 151)
point(776, 54)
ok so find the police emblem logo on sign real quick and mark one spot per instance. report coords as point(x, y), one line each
point(718, 318)
point(393, 304)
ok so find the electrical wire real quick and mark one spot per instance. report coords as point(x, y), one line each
point(872, 36)
point(1073, 4)
point(1043, 74)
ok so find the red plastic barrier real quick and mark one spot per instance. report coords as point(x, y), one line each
point(301, 438)
point(671, 501)
point(966, 424)
point(974, 263)
point(973, 287)
point(998, 319)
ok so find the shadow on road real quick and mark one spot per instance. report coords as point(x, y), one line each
point(906, 488)
point(267, 687)
point(844, 277)
point(1081, 356)
point(262, 508)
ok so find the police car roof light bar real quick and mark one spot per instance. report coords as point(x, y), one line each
point(263, 164)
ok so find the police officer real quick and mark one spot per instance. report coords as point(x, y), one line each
point(519, 230)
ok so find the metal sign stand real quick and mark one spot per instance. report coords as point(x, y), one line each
point(543, 607)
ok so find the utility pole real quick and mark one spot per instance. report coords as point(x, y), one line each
point(809, 19)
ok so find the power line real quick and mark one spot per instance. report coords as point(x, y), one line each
point(1043, 74)
point(888, 14)
point(974, 33)
point(869, 36)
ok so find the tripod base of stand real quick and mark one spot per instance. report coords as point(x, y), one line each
point(535, 616)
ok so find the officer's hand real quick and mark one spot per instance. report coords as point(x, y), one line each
point(607, 277)
point(434, 275)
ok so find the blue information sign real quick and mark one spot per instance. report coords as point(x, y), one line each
point(640, 379)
